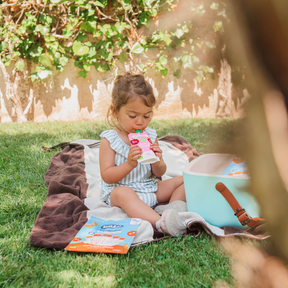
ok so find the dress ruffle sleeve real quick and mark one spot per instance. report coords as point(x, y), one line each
point(116, 143)
point(152, 134)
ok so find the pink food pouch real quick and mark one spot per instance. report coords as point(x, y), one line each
point(142, 139)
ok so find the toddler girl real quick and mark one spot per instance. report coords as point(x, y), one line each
point(124, 182)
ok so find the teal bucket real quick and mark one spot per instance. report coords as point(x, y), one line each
point(200, 177)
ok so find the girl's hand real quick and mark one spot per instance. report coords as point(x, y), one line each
point(134, 153)
point(156, 149)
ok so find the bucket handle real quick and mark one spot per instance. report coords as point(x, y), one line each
point(243, 217)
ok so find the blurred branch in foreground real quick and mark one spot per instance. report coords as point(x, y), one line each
point(259, 37)
point(256, 37)
point(253, 268)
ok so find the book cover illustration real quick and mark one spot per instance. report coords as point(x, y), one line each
point(106, 236)
point(237, 167)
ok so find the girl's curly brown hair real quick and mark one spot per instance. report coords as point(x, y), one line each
point(127, 87)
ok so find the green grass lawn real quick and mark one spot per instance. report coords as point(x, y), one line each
point(178, 262)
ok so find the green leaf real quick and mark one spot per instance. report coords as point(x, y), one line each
point(67, 34)
point(164, 72)
point(45, 30)
point(143, 41)
point(137, 48)
point(20, 64)
point(30, 16)
point(85, 26)
point(177, 73)
point(56, 1)
point(21, 30)
point(90, 25)
point(87, 67)
point(106, 67)
point(109, 56)
point(199, 44)
point(187, 61)
point(222, 13)
point(185, 28)
point(101, 3)
point(79, 49)
point(99, 67)
point(49, 20)
point(148, 3)
point(53, 45)
point(92, 52)
point(92, 22)
point(167, 39)
point(123, 57)
point(82, 73)
point(81, 37)
point(120, 26)
point(36, 52)
point(123, 44)
point(143, 67)
point(46, 19)
point(214, 6)
point(160, 68)
point(63, 60)
point(16, 54)
point(91, 12)
point(34, 76)
point(50, 38)
point(45, 60)
point(42, 29)
point(207, 69)
point(3, 46)
point(143, 19)
point(43, 72)
point(79, 64)
point(152, 12)
point(109, 30)
point(179, 33)
point(195, 59)
point(7, 62)
point(60, 68)
point(163, 60)
point(199, 79)
point(218, 26)
point(57, 55)
point(126, 4)
point(200, 76)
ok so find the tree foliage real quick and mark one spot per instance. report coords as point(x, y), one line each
point(99, 33)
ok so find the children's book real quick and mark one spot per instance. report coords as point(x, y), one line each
point(107, 236)
point(236, 168)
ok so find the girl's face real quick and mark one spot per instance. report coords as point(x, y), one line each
point(135, 115)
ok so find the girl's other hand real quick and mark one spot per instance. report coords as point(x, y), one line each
point(156, 149)
point(134, 153)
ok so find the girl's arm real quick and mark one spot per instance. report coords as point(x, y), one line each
point(109, 172)
point(158, 168)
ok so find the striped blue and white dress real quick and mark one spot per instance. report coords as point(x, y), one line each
point(140, 179)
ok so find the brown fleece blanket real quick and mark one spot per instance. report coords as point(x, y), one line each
point(73, 197)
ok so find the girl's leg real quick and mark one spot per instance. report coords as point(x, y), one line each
point(127, 199)
point(171, 190)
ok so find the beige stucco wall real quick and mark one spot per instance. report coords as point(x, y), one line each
point(67, 97)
